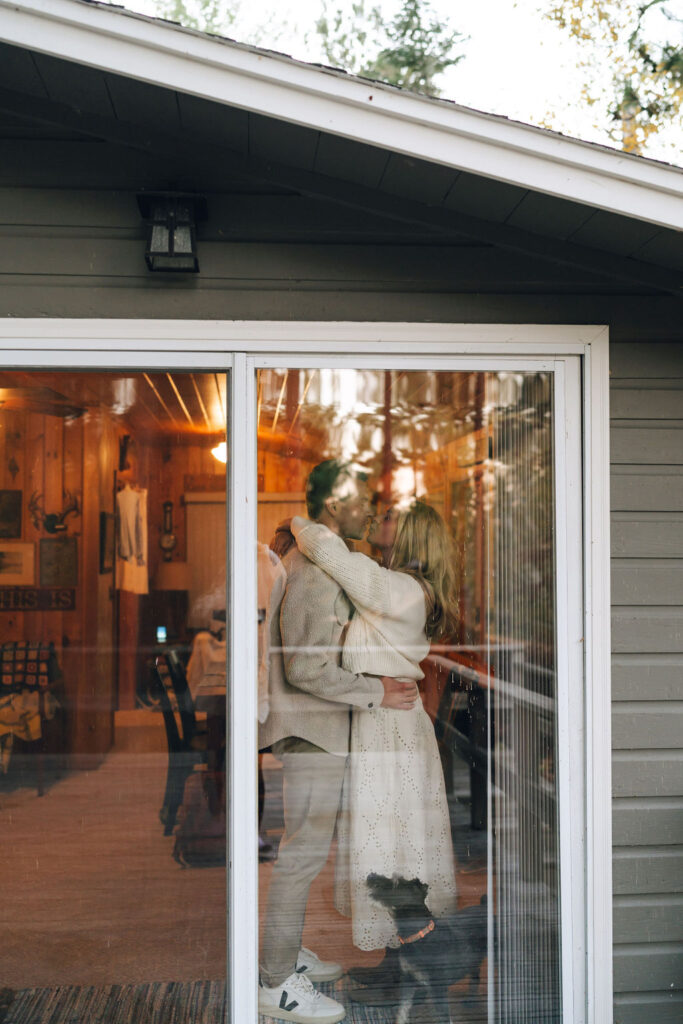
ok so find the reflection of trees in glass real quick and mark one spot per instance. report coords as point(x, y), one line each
point(523, 522)
point(428, 433)
point(464, 526)
point(350, 414)
point(479, 447)
point(524, 708)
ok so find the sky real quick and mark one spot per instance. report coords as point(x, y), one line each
point(516, 62)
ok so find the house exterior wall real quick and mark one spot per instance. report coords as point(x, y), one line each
point(647, 678)
point(78, 252)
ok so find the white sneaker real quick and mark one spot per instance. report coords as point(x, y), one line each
point(316, 969)
point(296, 1000)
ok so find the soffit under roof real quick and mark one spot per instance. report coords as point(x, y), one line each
point(211, 146)
point(103, 36)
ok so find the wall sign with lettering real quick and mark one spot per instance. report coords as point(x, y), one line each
point(37, 599)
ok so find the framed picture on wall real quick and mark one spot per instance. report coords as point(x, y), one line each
point(107, 533)
point(59, 562)
point(10, 515)
point(17, 564)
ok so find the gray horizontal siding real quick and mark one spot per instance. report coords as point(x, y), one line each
point(648, 581)
point(648, 1008)
point(646, 629)
point(234, 215)
point(647, 441)
point(655, 967)
point(656, 773)
point(646, 488)
point(647, 535)
point(656, 363)
point(647, 822)
point(646, 676)
point(651, 918)
point(151, 298)
point(647, 869)
point(79, 251)
point(647, 725)
point(629, 402)
point(647, 712)
point(369, 266)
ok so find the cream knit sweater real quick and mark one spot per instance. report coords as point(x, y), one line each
point(386, 635)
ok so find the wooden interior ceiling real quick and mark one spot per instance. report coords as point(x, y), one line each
point(180, 406)
point(315, 413)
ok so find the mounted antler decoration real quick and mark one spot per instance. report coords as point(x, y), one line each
point(52, 522)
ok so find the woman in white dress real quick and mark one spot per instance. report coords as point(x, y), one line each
point(395, 813)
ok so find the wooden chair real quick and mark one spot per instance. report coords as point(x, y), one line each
point(186, 744)
point(32, 704)
point(461, 726)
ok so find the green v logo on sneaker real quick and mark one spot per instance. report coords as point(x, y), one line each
point(283, 1003)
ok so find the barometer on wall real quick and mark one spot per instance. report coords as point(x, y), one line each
point(168, 539)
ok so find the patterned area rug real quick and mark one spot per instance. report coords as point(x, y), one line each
point(464, 1011)
point(200, 1002)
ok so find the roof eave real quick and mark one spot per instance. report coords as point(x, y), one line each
point(323, 99)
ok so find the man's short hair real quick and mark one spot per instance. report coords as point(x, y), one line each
point(321, 483)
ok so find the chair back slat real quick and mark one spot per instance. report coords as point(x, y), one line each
point(181, 689)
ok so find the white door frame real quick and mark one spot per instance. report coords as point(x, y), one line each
point(241, 346)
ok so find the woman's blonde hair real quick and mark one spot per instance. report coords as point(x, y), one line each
point(424, 549)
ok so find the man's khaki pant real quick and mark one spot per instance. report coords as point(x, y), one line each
point(312, 786)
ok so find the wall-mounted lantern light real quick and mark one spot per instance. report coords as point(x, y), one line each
point(171, 238)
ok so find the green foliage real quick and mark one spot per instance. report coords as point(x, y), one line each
point(215, 16)
point(646, 93)
point(656, 88)
point(420, 48)
point(347, 34)
point(411, 51)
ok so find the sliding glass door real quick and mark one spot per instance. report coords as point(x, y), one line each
point(113, 691)
point(376, 565)
point(411, 523)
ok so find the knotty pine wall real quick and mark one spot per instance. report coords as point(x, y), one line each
point(49, 455)
point(168, 467)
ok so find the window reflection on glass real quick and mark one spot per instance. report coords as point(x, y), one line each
point(407, 705)
point(112, 696)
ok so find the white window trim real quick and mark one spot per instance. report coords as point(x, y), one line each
point(192, 345)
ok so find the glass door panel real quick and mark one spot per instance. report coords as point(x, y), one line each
point(407, 695)
point(112, 697)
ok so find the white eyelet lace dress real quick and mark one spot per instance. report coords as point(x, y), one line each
point(394, 817)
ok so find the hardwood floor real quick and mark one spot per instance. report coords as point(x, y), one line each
point(92, 895)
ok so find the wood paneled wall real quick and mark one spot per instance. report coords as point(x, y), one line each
point(174, 469)
point(49, 455)
point(167, 467)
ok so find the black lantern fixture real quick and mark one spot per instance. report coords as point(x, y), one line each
point(171, 238)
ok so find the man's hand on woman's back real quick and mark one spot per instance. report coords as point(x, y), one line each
point(400, 696)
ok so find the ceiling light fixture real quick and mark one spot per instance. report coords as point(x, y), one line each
point(220, 452)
